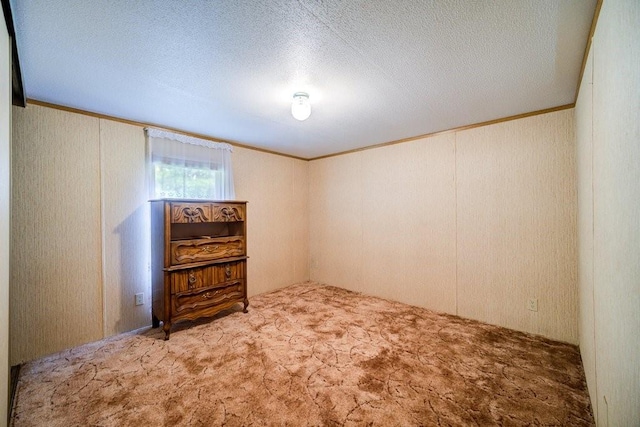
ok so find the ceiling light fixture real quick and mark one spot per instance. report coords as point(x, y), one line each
point(301, 107)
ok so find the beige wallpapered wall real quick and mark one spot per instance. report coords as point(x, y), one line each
point(277, 189)
point(608, 140)
point(5, 214)
point(125, 227)
point(388, 221)
point(473, 223)
point(55, 294)
point(80, 228)
point(517, 224)
point(382, 221)
point(391, 221)
point(584, 160)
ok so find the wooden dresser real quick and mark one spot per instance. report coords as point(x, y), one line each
point(198, 259)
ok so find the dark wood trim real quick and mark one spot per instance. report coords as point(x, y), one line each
point(248, 147)
point(592, 31)
point(458, 129)
point(143, 124)
point(18, 94)
point(13, 386)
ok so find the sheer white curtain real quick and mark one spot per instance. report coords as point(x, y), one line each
point(181, 166)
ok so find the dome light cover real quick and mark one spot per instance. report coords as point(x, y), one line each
point(301, 107)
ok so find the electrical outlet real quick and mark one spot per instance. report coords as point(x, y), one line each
point(139, 299)
point(532, 304)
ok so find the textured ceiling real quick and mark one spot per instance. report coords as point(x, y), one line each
point(376, 71)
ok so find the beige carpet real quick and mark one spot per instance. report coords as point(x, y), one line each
point(311, 355)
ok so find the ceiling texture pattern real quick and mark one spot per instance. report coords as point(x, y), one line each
point(376, 71)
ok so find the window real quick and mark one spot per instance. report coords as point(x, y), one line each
point(193, 182)
point(190, 168)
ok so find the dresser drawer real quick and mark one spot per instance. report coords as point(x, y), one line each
point(195, 250)
point(188, 301)
point(191, 279)
point(228, 212)
point(218, 275)
point(191, 213)
point(228, 271)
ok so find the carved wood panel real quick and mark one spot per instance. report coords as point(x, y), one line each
point(228, 213)
point(191, 212)
point(188, 251)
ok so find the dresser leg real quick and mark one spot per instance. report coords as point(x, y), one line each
point(166, 327)
point(155, 322)
point(246, 304)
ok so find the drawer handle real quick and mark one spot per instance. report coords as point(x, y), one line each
point(227, 271)
point(207, 295)
point(192, 280)
point(209, 249)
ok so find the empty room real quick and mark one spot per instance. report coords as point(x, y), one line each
point(320, 213)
